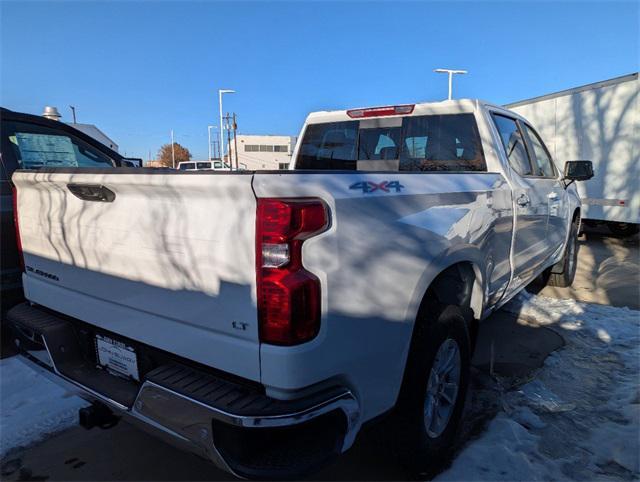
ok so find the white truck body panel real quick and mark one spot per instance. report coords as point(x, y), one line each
point(599, 122)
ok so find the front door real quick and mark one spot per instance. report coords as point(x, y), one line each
point(550, 184)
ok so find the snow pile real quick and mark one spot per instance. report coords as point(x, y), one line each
point(31, 406)
point(580, 418)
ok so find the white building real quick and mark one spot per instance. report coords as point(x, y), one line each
point(263, 152)
point(97, 134)
point(89, 129)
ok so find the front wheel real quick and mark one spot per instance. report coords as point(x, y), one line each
point(564, 271)
point(433, 391)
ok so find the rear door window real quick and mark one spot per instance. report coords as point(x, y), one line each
point(416, 143)
point(513, 143)
point(38, 146)
point(204, 165)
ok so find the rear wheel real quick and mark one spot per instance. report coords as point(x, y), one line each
point(433, 391)
point(564, 271)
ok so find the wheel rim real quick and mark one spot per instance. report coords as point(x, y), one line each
point(442, 388)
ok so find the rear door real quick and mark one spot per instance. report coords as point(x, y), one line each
point(10, 271)
point(531, 203)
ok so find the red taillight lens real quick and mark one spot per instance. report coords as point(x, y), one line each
point(381, 111)
point(14, 193)
point(288, 294)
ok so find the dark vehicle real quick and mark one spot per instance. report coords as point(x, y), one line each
point(31, 142)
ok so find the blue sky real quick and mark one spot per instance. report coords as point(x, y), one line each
point(140, 69)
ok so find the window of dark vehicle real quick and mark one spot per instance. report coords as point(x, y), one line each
point(541, 158)
point(38, 146)
point(441, 143)
point(513, 143)
point(421, 143)
point(329, 146)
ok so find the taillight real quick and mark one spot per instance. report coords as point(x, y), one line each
point(288, 294)
point(381, 111)
point(17, 226)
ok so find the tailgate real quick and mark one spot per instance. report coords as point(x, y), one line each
point(168, 261)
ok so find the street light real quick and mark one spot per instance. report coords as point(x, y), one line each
point(209, 129)
point(451, 73)
point(220, 92)
point(173, 154)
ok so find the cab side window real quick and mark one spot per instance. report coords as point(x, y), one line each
point(513, 143)
point(36, 146)
point(541, 158)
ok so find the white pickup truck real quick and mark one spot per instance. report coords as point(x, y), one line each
point(260, 318)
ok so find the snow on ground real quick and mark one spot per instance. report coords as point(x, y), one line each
point(31, 406)
point(579, 419)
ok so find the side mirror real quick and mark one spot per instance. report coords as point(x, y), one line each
point(578, 170)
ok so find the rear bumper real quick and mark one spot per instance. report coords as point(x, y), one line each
point(239, 429)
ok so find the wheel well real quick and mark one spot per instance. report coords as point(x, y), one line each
point(577, 219)
point(576, 214)
point(460, 285)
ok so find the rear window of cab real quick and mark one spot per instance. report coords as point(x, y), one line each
point(418, 143)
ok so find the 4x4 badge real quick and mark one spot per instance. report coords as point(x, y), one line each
point(368, 186)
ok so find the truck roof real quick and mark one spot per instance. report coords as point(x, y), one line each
point(456, 106)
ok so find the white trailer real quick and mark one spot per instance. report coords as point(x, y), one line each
point(598, 122)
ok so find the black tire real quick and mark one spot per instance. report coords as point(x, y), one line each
point(420, 453)
point(623, 229)
point(564, 271)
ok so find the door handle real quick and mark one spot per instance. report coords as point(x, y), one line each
point(523, 200)
point(92, 192)
point(553, 195)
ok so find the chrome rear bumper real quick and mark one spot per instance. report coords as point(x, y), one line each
point(189, 423)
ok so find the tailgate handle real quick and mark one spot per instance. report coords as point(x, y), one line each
point(92, 192)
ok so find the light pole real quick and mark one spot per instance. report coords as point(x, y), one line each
point(209, 129)
point(220, 92)
point(173, 154)
point(451, 73)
